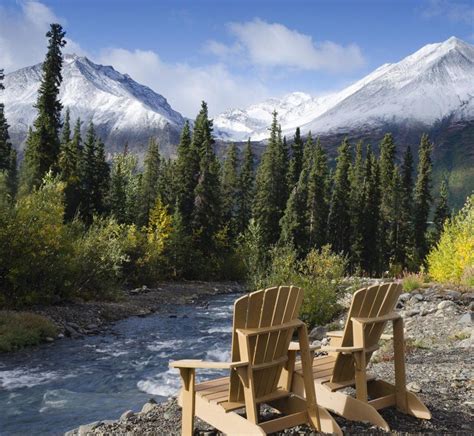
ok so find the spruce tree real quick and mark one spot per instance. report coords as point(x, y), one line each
point(357, 175)
point(43, 146)
point(397, 248)
point(422, 199)
point(339, 219)
point(187, 171)
point(167, 183)
point(387, 212)
point(246, 187)
point(442, 211)
point(149, 184)
point(270, 187)
point(405, 233)
point(70, 167)
point(7, 152)
point(230, 191)
point(371, 205)
point(296, 160)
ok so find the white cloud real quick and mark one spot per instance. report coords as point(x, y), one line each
point(454, 11)
point(275, 45)
point(22, 35)
point(185, 86)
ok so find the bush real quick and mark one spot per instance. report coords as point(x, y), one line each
point(320, 274)
point(19, 329)
point(452, 260)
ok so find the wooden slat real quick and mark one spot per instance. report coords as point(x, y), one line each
point(382, 402)
point(284, 422)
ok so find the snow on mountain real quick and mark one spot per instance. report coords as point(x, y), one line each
point(434, 83)
point(122, 109)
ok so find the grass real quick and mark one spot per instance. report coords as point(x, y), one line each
point(20, 329)
point(459, 336)
point(412, 282)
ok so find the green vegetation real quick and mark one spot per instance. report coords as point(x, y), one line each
point(19, 329)
point(412, 282)
point(452, 259)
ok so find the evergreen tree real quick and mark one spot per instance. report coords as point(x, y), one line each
point(43, 146)
point(230, 190)
point(270, 187)
point(167, 184)
point(296, 160)
point(70, 167)
point(405, 233)
point(397, 249)
point(371, 206)
point(357, 212)
point(422, 199)
point(387, 212)
point(7, 152)
point(246, 185)
point(187, 171)
point(178, 248)
point(149, 185)
point(339, 219)
point(442, 211)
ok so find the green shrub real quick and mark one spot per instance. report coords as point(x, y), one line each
point(452, 260)
point(19, 329)
point(320, 274)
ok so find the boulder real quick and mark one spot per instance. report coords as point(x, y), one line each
point(467, 319)
point(446, 304)
point(318, 333)
point(70, 331)
point(404, 297)
point(418, 297)
point(148, 407)
point(126, 415)
point(455, 295)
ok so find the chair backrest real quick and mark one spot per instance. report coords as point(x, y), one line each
point(271, 307)
point(372, 302)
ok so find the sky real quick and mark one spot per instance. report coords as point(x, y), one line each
point(233, 53)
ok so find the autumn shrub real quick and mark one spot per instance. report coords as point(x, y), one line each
point(19, 329)
point(412, 281)
point(452, 259)
point(35, 248)
point(320, 274)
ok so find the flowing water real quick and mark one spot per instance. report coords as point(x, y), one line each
point(54, 388)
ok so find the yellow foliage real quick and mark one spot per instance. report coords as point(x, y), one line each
point(159, 226)
point(452, 259)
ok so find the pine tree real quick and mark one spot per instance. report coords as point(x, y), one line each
point(442, 211)
point(296, 160)
point(43, 146)
point(70, 167)
point(230, 190)
point(318, 193)
point(187, 171)
point(422, 199)
point(167, 183)
point(371, 206)
point(246, 186)
point(356, 211)
point(7, 152)
point(270, 187)
point(397, 249)
point(405, 234)
point(387, 212)
point(149, 184)
point(178, 252)
point(339, 219)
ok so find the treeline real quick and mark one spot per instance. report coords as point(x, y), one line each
point(74, 224)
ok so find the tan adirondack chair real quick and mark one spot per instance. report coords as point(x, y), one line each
point(349, 353)
point(264, 323)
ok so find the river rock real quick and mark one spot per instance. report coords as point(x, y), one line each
point(404, 297)
point(92, 327)
point(446, 304)
point(418, 297)
point(455, 295)
point(318, 333)
point(127, 415)
point(148, 407)
point(412, 312)
point(71, 332)
point(414, 387)
point(467, 297)
point(74, 325)
point(49, 339)
point(467, 318)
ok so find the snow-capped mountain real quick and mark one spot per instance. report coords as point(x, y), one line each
point(122, 109)
point(428, 86)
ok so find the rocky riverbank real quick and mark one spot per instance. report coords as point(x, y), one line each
point(76, 319)
point(439, 337)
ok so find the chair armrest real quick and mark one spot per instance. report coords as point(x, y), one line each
point(295, 346)
point(335, 334)
point(201, 364)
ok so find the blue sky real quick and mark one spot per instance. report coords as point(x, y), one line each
point(234, 53)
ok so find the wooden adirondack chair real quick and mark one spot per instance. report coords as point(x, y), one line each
point(349, 354)
point(264, 323)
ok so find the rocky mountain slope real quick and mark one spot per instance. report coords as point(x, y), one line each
point(122, 109)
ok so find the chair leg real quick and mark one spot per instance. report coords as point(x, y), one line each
point(188, 401)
